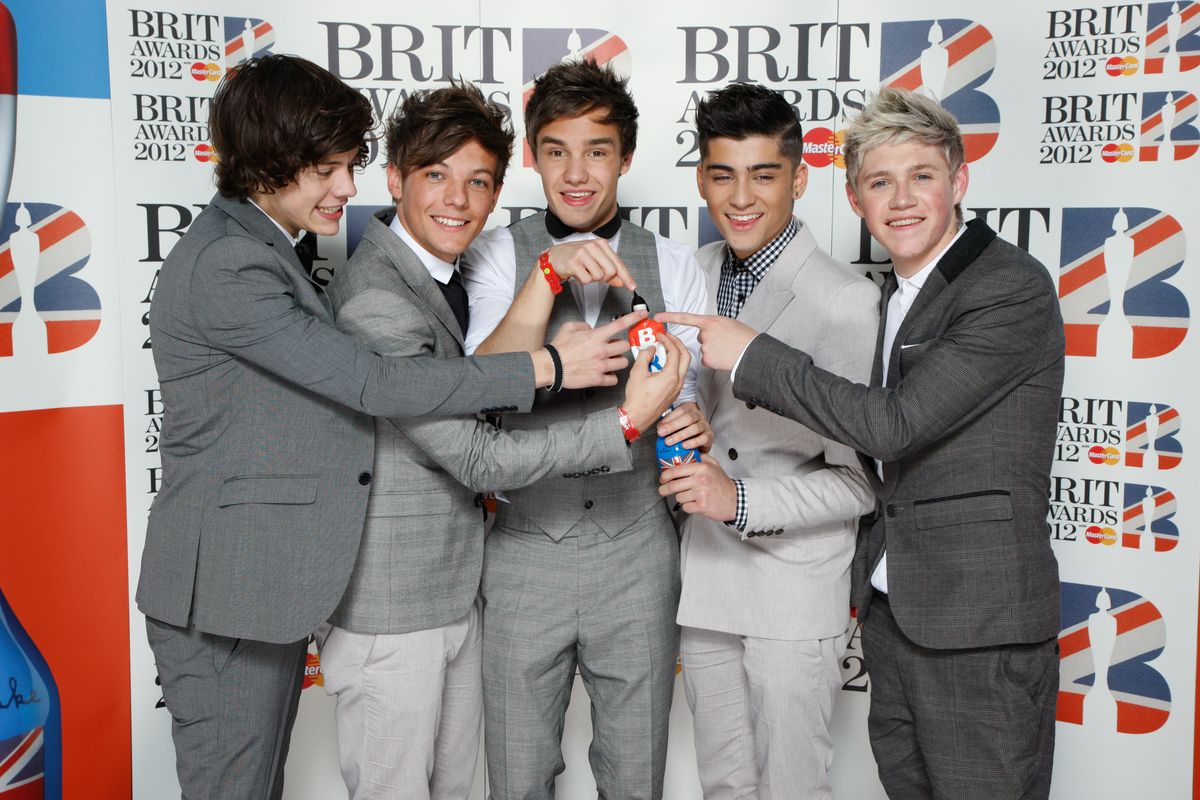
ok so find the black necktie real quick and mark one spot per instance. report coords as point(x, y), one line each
point(456, 297)
point(559, 230)
point(306, 251)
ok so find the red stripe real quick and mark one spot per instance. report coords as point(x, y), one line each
point(1070, 708)
point(57, 229)
point(19, 753)
point(910, 80)
point(6, 262)
point(607, 50)
point(63, 335)
point(1132, 718)
point(1081, 275)
point(1081, 338)
point(971, 40)
point(8, 52)
point(1072, 643)
point(1150, 341)
point(34, 790)
point(1135, 617)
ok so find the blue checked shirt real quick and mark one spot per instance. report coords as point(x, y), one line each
point(738, 279)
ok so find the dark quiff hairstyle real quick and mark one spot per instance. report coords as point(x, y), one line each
point(574, 88)
point(742, 110)
point(432, 124)
point(276, 115)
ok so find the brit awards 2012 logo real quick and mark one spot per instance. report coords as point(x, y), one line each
point(949, 60)
point(1114, 282)
point(1100, 511)
point(1092, 430)
point(1168, 132)
point(246, 38)
point(167, 45)
point(1108, 643)
point(542, 48)
point(1172, 37)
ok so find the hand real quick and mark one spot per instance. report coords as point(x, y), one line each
point(589, 355)
point(591, 261)
point(648, 394)
point(688, 425)
point(722, 340)
point(701, 488)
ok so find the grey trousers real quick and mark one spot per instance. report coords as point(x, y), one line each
point(976, 723)
point(604, 605)
point(232, 704)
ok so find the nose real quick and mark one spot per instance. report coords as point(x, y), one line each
point(345, 188)
point(574, 171)
point(742, 196)
point(456, 195)
point(902, 196)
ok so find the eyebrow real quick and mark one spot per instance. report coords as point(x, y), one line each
point(589, 143)
point(751, 168)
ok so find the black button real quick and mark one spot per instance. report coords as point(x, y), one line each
point(891, 510)
point(778, 531)
point(749, 405)
point(732, 454)
point(364, 478)
point(588, 504)
point(678, 507)
point(741, 297)
point(604, 469)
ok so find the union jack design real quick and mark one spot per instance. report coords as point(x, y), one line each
point(1158, 43)
point(1159, 527)
point(1185, 139)
point(972, 59)
point(1141, 693)
point(23, 766)
point(542, 48)
point(1166, 442)
point(69, 306)
point(1157, 311)
point(246, 38)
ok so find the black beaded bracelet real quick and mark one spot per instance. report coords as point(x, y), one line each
point(558, 368)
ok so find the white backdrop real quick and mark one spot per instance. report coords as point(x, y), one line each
point(1081, 128)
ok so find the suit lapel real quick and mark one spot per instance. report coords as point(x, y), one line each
point(261, 227)
point(412, 271)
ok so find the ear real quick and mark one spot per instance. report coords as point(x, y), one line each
point(799, 180)
point(495, 198)
point(961, 179)
point(700, 181)
point(626, 161)
point(855, 206)
point(395, 182)
point(533, 156)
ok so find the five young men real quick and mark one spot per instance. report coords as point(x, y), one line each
point(286, 509)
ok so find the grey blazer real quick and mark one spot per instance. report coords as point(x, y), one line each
point(422, 548)
point(965, 428)
point(267, 442)
point(789, 577)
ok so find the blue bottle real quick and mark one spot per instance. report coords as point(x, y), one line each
point(30, 717)
point(641, 336)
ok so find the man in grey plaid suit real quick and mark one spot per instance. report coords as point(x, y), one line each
point(954, 577)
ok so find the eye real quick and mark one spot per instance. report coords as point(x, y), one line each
point(598, 154)
point(324, 172)
point(481, 183)
point(878, 184)
point(924, 176)
point(434, 175)
point(764, 178)
point(721, 179)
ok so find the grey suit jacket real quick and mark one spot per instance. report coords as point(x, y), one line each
point(267, 444)
point(422, 548)
point(965, 428)
point(789, 577)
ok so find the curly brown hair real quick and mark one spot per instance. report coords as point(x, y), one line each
point(432, 124)
point(276, 115)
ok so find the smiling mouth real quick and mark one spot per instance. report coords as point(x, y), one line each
point(330, 211)
point(904, 223)
point(577, 198)
point(450, 223)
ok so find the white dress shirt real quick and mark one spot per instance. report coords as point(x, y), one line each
point(489, 270)
point(900, 302)
point(440, 270)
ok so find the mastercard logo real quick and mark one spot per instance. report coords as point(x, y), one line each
point(204, 153)
point(1121, 65)
point(1097, 535)
point(1104, 455)
point(312, 671)
point(823, 147)
point(206, 72)
point(1114, 153)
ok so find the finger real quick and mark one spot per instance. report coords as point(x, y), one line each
point(621, 324)
point(643, 359)
point(575, 326)
point(683, 318)
point(677, 354)
point(692, 433)
point(616, 347)
point(615, 363)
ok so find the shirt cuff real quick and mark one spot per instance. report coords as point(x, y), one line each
point(739, 520)
point(741, 355)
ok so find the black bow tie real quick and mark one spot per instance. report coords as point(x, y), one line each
point(306, 251)
point(559, 230)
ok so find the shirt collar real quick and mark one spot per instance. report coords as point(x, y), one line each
point(917, 280)
point(290, 238)
point(762, 259)
point(559, 229)
point(439, 269)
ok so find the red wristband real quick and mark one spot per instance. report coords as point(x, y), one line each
point(547, 270)
point(631, 433)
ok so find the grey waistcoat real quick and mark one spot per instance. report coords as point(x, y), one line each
point(557, 505)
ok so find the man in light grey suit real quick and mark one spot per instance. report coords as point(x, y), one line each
point(267, 440)
point(402, 652)
point(764, 613)
point(954, 578)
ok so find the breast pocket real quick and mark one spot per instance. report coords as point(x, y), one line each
point(963, 509)
point(269, 489)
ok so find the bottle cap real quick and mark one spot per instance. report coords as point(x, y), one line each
point(638, 303)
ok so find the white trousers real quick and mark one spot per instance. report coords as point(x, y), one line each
point(409, 708)
point(762, 710)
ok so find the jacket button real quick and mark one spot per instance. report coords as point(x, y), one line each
point(749, 405)
point(779, 531)
point(732, 454)
point(364, 478)
point(891, 510)
point(588, 504)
